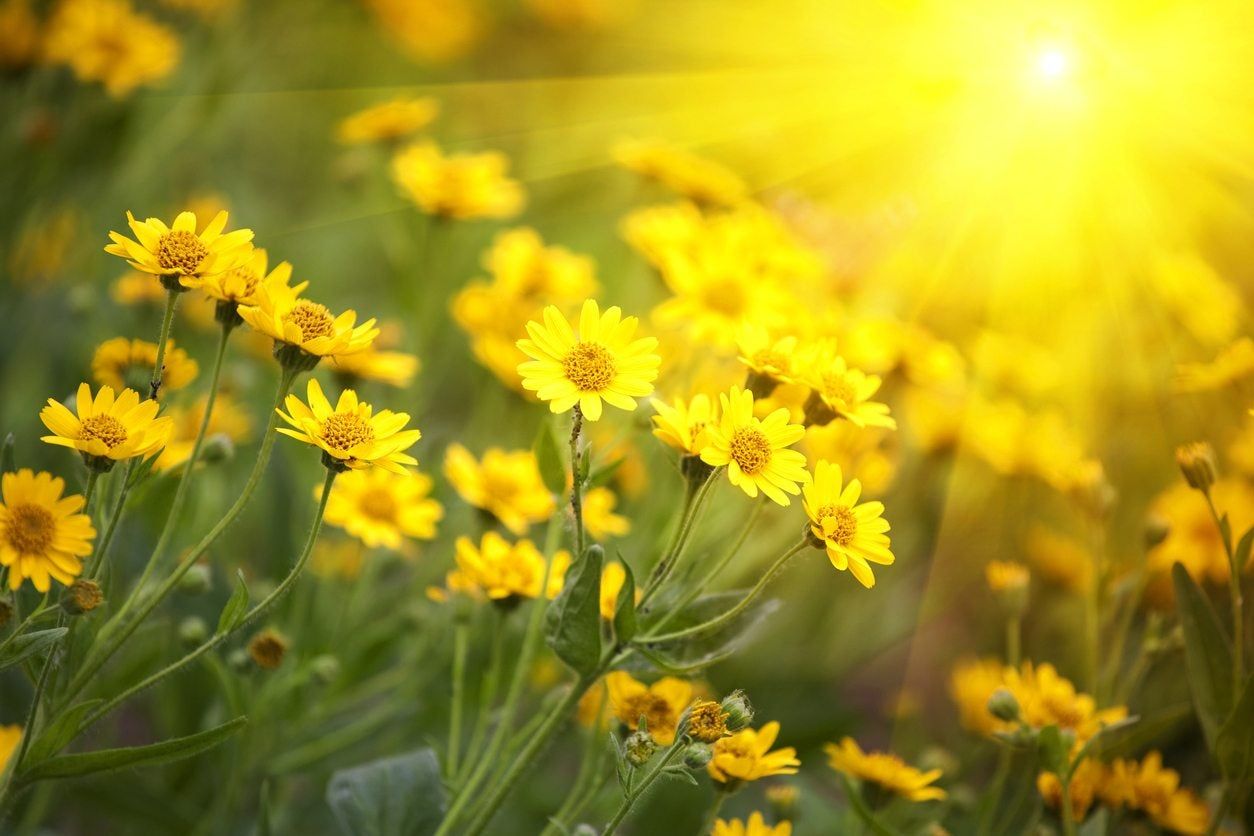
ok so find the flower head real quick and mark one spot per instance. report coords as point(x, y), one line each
point(854, 534)
point(120, 362)
point(694, 177)
point(395, 368)
point(838, 391)
point(462, 186)
point(504, 483)
point(661, 703)
point(177, 253)
point(707, 721)
point(1006, 576)
point(601, 362)
point(388, 121)
point(769, 360)
point(755, 451)
point(502, 570)
point(267, 648)
point(305, 325)
point(239, 285)
point(599, 519)
point(1149, 787)
point(887, 770)
point(109, 42)
point(351, 435)
point(683, 426)
point(754, 826)
point(381, 508)
point(107, 429)
point(747, 756)
point(42, 535)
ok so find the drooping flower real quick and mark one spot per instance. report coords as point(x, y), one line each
point(599, 519)
point(661, 703)
point(747, 756)
point(351, 435)
point(602, 362)
point(109, 42)
point(107, 429)
point(177, 253)
point(755, 451)
point(382, 508)
point(506, 484)
point(461, 186)
point(754, 826)
point(502, 570)
point(684, 426)
point(886, 770)
point(42, 535)
point(388, 121)
point(306, 326)
point(854, 534)
point(120, 362)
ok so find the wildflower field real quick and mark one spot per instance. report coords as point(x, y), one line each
point(578, 417)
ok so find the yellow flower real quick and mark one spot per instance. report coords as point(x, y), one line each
point(19, 47)
point(693, 177)
point(754, 451)
point(430, 30)
point(240, 283)
point(658, 233)
point(10, 737)
point(506, 484)
point(135, 288)
point(1192, 538)
point(971, 684)
point(855, 535)
point(106, 430)
point(522, 266)
point(229, 420)
point(1005, 576)
point(768, 358)
point(886, 770)
point(1234, 363)
point(307, 325)
point(594, 707)
point(503, 570)
point(599, 519)
point(1155, 791)
point(120, 362)
point(613, 575)
point(380, 508)
point(388, 121)
point(337, 559)
point(352, 435)
point(842, 392)
point(873, 453)
point(395, 368)
point(41, 534)
point(755, 826)
point(1085, 784)
point(461, 186)
point(108, 41)
point(661, 703)
point(747, 756)
point(602, 362)
point(1059, 559)
point(684, 426)
point(178, 252)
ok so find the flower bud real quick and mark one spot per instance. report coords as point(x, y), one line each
point(783, 801)
point(707, 721)
point(639, 747)
point(697, 756)
point(81, 597)
point(267, 649)
point(1156, 530)
point(193, 631)
point(238, 660)
point(1003, 705)
point(217, 448)
point(196, 581)
point(325, 668)
point(739, 711)
point(1197, 462)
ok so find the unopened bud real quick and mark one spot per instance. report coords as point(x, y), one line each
point(697, 756)
point(196, 581)
point(1156, 530)
point(193, 631)
point(1003, 705)
point(325, 668)
point(783, 801)
point(639, 747)
point(1197, 463)
point(267, 649)
point(739, 711)
point(81, 597)
point(217, 448)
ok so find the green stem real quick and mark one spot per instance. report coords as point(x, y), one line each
point(594, 746)
point(639, 789)
point(118, 623)
point(1218, 818)
point(167, 322)
point(487, 692)
point(32, 714)
point(257, 611)
point(1238, 606)
point(461, 641)
point(106, 539)
point(740, 607)
point(707, 826)
point(694, 497)
point(1068, 817)
point(576, 485)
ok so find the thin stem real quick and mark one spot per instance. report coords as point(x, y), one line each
point(593, 748)
point(106, 539)
point(461, 642)
point(1014, 630)
point(257, 611)
point(707, 826)
point(576, 484)
point(93, 476)
point(1068, 817)
point(694, 498)
point(28, 728)
point(741, 606)
point(1238, 605)
point(1092, 619)
point(639, 789)
point(1218, 818)
point(167, 321)
point(487, 691)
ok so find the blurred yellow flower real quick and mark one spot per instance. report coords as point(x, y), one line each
point(754, 826)
point(109, 42)
point(755, 451)
point(500, 569)
point(1005, 575)
point(683, 426)
point(661, 703)
point(683, 172)
point(40, 253)
point(351, 435)
point(337, 559)
point(971, 683)
point(580, 15)
point(462, 186)
point(855, 535)
point(306, 325)
point(769, 359)
point(120, 363)
point(19, 47)
point(1232, 364)
point(886, 770)
point(1085, 783)
point(42, 535)
point(178, 251)
point(522, 265)
point(665, 232)
point(388, 121)
point(381, 508)
point(228, 420)
point(613, 575)
point(1059, 559)
point(871, 452)
point(10, 737)
point(240, 283)
point(602, 362)
point(747, 756)
point(433, 31)
point(842, 392)
point(505, 484)
point(395, 368)
point(107, 429)
point(1193, 538)
point(1154, 790)
point(135, 288)
point(599, 519)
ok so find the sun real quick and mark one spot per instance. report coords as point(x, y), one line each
point(1053, 62)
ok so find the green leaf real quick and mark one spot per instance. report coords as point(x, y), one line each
point(1122, 741)
point(1243, 549)
point(1207, 653)
point(397, 796)
point(603, 474)
point(107, 760)
point(1234, 745)
point(1016, 808)
point(625, 610)
point(1051, 748)
point(8, 460)
point(58, 734)
point(21, 648)
point(573, 620)
point(695, 652)
point(549, 459)
point(236, 606)
point(1109, 732)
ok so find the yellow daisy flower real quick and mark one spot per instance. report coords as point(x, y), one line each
point(107, 429)
point(238, 285)
point(136, 288)
point(769, 359)
point(755, 451)
point(305, 325)
point(661, 703)
point(388, 121)
point(41, 534)
point(886, 770)
point(838, 391)
point(754, 826)
point(380, 508)
point(613, 576)
point(108, 41)
point(505, 484)
point(855, 535)
point(683, 172)
point(1083, 788)
point(599, 519)
point(461, 186)
point(179, 255)
point(1006, 576)
point(229, 420)
point(501, 570)
point(395, 368)
point(684, 425)
point(1149, 787)
point(747, 756)
point(523, 266)
point(120, 362)
point(351, 435)
point(602, 362)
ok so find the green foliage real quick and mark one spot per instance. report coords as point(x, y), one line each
point(58, 733)
point(549, 459)
point(1208, 653)
point(625, 609)
point(1234, 744)
point(22, 647)
point(573, 619)
point(236, 606)
point(397, 796)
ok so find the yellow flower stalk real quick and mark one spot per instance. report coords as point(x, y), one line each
point(109, 42)
point(177, 253)
point(886, 770)
point(755, 825)
point(381, 508)
point(755, 452)
point(121, 362)
point(106, 429)
point(661, 703)
point(305, 331)
point(747, 756)
point(351, 434)
point(502, 570)
point(504, 483)
point(388, 121)
point(42, 534)
point(461, 186)
point(602, 362)
point(684, 425)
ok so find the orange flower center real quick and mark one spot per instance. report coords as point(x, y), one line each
point(180, 251)
point(589, 366)
point(378, 504)
point(844, 523)
point(30, 528)
point(239, 284)
point(345, 430)
point(313, 319)
point(104, 427)
point(751, 449)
